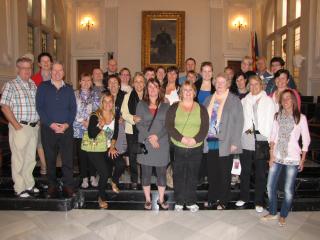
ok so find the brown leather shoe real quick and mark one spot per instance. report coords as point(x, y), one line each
point(52, 192)
point(68, 192)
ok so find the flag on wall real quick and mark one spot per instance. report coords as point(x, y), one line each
point(254, 49)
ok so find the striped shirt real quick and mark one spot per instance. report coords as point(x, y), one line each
point(20, 96)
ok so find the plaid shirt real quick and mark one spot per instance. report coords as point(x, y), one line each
point(21, 98)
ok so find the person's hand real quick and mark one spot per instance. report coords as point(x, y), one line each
point(301, 165)
point(153, 138)
point(85, 123)
point(136, 118)
point(55, 127)
point(271, 161)
point(233, 148)
point(113, 153)
point(121, 120)
point(155, 144)
point(18, 127)
point(188, 141)
point(101, 123)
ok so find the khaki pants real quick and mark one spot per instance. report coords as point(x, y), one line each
point(23, 145)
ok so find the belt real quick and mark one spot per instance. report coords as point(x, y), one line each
point(31, 124)
point(250, 131)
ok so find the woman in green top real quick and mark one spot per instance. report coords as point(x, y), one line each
point(187, 123)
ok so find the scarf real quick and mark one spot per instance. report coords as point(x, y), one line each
point(222, 98)
point(286, 125)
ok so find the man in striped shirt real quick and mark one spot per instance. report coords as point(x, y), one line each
point(19, 107)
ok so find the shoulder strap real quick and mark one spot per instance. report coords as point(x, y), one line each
point(154, 116)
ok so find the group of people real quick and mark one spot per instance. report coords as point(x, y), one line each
point(196, 123)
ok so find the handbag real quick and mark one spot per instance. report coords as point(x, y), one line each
point(97, 144)
point(140, 147)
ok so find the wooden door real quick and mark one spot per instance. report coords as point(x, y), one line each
point(86, 66)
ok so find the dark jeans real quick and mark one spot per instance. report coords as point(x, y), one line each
point(86, 167)
point(98, 160)
point(259, 158)
point(116, 167)
point(219, 177)
point(52, 144)
point(185, 174)
point(131, 139)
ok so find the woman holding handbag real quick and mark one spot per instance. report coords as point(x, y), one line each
point(258, 112)
point(152, 132)
point(187, 123)
point(98, 142)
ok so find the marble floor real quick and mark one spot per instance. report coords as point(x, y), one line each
point(106, 224)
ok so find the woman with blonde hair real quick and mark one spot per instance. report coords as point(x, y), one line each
point(128, 111)
point(258, 111)
point(187, 123)
point(98, 140)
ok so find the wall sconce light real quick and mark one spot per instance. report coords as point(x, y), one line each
point(87, 23)
point(239, 23)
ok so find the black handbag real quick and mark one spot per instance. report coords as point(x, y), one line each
point(140, 147)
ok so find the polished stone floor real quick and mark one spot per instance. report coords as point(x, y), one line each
point(107, 224)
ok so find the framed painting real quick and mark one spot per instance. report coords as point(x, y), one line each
point(163, 35)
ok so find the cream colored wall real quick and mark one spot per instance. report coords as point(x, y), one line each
point(197, 30)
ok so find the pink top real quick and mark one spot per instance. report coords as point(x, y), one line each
point(294, 150)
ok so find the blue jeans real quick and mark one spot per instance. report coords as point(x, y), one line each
point(273, 177)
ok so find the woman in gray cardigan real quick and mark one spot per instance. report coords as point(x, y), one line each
point(224, 140)
point(156, 141)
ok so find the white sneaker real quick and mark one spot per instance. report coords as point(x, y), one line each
point(85, 183)
point(94, 181)
point(178, 208)
point(24, 194)
point(240, 203)
point(193, 208)
point(259, 209)
point(33, 190)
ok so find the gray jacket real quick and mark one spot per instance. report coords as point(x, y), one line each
point(155, 157)
point(231, 125)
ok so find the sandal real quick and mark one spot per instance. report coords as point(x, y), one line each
point(115, 187)
point(163, 205)
point(102, 204)
point(148, 206)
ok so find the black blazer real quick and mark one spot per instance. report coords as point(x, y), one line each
point(198, 86)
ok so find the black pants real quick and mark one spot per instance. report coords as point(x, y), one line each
point(203, 170)
point(116, 167)
point(185, 174)
point(86, 167)
point(260, 159)
point(52, 144)
point(219, 177)
point(131, 139)
point(98, 160)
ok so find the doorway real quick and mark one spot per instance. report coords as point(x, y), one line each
point(86, 66)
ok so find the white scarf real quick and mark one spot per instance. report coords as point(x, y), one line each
point(265, 112)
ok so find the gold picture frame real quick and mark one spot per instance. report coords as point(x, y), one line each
point(163, 39)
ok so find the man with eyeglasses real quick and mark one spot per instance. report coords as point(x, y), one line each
point(18, 103)
point(276, 64)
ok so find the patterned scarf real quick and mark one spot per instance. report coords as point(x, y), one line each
point(286, 125)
